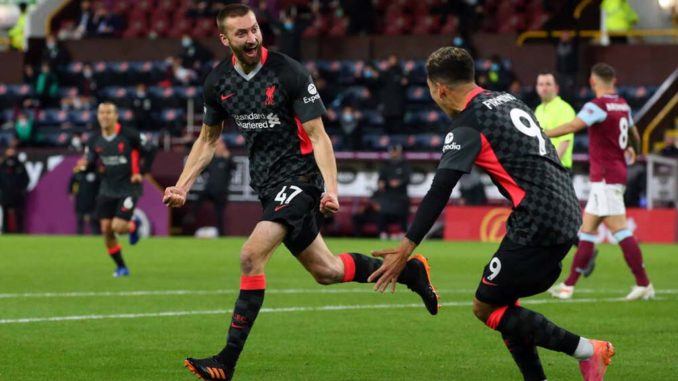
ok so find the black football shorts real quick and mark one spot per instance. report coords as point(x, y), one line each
point(295, 205)
point(517, 271)
point(119, 207)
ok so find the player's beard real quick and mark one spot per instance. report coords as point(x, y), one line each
point(245, 59)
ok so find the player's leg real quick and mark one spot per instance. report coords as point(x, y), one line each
point(327, 268)
point(125, 222)
point(525, 328)
point(105, 210)
point(583, 257)
point(633, 256)
point(517, 271)
point(254, 255)
point(113, 247)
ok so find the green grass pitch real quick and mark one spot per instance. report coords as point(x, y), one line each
point(63, 317)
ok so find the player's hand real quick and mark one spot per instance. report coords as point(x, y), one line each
point(394, 263)
point(329, 204)
point(136, 178)
point(630, 156)
point(174, 197)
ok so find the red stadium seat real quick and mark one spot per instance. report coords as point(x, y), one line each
point(181, 25)
point(160, 26)
point(450, 26)
point(136, 28)
point(339, 27)
point(426, 25)
point(204, 27)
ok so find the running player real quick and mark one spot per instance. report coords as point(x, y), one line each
point(610, 126)
point(498, 133)
point(277, 108)
point(117, 149)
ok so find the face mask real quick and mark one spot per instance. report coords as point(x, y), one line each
point(87, 74)
point(347, 117)
point(288, 25)
point(457, 41)
point(185, 42)
point(494, 67)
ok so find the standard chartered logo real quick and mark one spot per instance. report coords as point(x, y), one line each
point(256, 121)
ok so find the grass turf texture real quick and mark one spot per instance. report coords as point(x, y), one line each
point(362, 343)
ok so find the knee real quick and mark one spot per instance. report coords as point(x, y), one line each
point(326, 275)
point(119, 227)
point(248, 260)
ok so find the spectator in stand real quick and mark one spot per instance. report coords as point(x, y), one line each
point(393, 84)
point(54, 54)
point(193, 54)
point(87, 83)
point(86, 26)
point(618, 16)
point(360, 14)
point(499, 77)
point(13, 187)
point(349, 121)
point(83, 189)
point(567, 63)
point(288, 33)
point(17, 34)
point(23, 128)
point(29, 75)
point(181, 75)
point(46, 86)
point(107, 23)
point(142, 106)
point(670, 144)
point(393, 201)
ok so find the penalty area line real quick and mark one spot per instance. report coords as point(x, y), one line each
point(28, 320)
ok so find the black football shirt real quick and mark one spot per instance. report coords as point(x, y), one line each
point(268, 105)
point(500, 134)
point(119, 155)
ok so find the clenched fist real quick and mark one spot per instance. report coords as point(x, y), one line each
point(174, 197)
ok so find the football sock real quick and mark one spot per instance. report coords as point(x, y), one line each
point(633, 256)
point(521, 323)
point(584, 349)
point(582, 258)
point(116, 255)
point(245, 312)
point(525, 355)
point(358, 267)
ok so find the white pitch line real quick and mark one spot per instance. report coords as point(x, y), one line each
point(366, 290)
point(286, 309)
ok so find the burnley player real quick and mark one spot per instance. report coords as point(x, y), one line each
point(499, 133)
point(610, 127)
point(117, 149)
point(277, 108)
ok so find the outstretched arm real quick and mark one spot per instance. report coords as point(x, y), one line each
point(574, 125)
point(200, 156)
point(324, 157)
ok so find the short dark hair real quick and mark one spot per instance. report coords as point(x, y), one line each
point(231, 10)
point(450, 65)
point(604, 72)
point(549, 72)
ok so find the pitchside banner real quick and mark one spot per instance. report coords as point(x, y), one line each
point(488, 224)
point(50, 210)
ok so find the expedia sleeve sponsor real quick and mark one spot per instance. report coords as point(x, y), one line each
point(305, 97)
point(460, 149)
